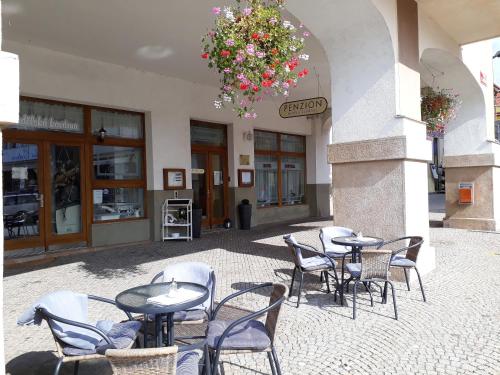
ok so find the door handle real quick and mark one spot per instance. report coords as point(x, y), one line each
point(40, 200)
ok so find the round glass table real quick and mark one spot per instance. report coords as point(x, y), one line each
point(357, 243)
point(136, 300)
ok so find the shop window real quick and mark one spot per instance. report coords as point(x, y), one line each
point(36, 114)
point(293, 180)
point(280, 169)
point(266, 180)
point(118, 124)
point(118, 176)
point(266, 141)
point(117, 163)
point(208, 135)
point(118, 203)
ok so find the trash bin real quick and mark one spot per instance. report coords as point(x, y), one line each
point(245, 211)
point(197, 216)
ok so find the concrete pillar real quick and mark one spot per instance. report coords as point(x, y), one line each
point(319, 173)
point(470, 152)
point(9, 114)
point(379, 153)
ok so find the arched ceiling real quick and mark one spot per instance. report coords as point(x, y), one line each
point(156, 35)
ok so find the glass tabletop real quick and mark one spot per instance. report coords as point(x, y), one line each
point(357, 241)
point(135, 299)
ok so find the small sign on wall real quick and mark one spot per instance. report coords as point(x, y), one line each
point(174, 179)
point(465, 193)
point(306, 107)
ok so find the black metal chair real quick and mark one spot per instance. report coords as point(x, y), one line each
point(406, 257)
point(374, 267)
point(247, 334)
point(308, 260)
point(67, 353)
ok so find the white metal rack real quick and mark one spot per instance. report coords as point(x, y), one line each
point(177, 219)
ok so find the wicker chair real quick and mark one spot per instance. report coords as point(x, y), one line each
point(67, 353)
point(247, 334)
point(307, 260)
point(170, 360)
point(406, 257)
point(374, 267)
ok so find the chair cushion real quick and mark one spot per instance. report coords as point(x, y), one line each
point(188, 363)
point(401, 261)
point(247, 335)
point(316, 263)
point(189, 315)
point(338, 252)
point(354, 269)
point(122, 336)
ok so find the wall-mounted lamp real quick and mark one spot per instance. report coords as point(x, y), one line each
point(102, 133)
point(248, 136)
point(496, 55)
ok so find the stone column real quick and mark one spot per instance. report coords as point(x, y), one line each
point(471, 153)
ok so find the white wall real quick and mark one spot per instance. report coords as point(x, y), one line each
point(170, 103)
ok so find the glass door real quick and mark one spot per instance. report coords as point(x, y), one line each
point(218, 184)
point(199, 178)
point(66, 213)
point(23, 199)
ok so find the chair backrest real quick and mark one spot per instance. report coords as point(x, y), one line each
point(279, 292)
point(326, 235)
point(294, 249)
point(375, 264)
point(151, 361)
point(193, 272)
point(414, 247)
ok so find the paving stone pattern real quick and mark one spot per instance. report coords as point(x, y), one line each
point(455, 332)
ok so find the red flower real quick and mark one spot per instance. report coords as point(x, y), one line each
point(266, 36)
point(255, 36)
point(225, 53)
point(274, 51)
point(301, 74)
point(305, 71)
point(243, 86)
point(255, 88)
point(266, 75)
point(267, 83)
point(204, 56)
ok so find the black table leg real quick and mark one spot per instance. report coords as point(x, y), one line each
point(158, 331)
point(170, 329)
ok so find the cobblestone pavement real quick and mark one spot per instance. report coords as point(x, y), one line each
point(455, 332)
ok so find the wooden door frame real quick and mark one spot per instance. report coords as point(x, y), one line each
point(52, 238)
point(44, 139)
point(207, 150)
point(38, 241)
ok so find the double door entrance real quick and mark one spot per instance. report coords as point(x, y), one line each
point(43, 193)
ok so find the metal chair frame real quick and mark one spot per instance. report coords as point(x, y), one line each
point(49, 317)
point(298, 250)
point(271, 352)
point(411, 252)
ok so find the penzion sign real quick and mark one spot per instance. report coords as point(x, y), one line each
point(306, 107)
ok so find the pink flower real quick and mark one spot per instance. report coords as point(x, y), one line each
point(250, 49)
point(228, 88)
point(273, 21)
point(306, 33)
point(216, 10)
point(247, 11)
point(260, 54)
point(228, 70)
point(248, 115)
point(230, 42)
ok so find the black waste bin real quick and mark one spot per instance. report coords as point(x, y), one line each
point(245, 211)
point(197, 216)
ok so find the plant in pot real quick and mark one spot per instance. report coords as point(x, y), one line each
point(439, 107)
point(256, 52)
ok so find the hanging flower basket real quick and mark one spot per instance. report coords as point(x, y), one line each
point(256, 52)
point(438, 109)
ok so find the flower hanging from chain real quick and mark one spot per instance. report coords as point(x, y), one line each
point(438, 109)
point(256, 52)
